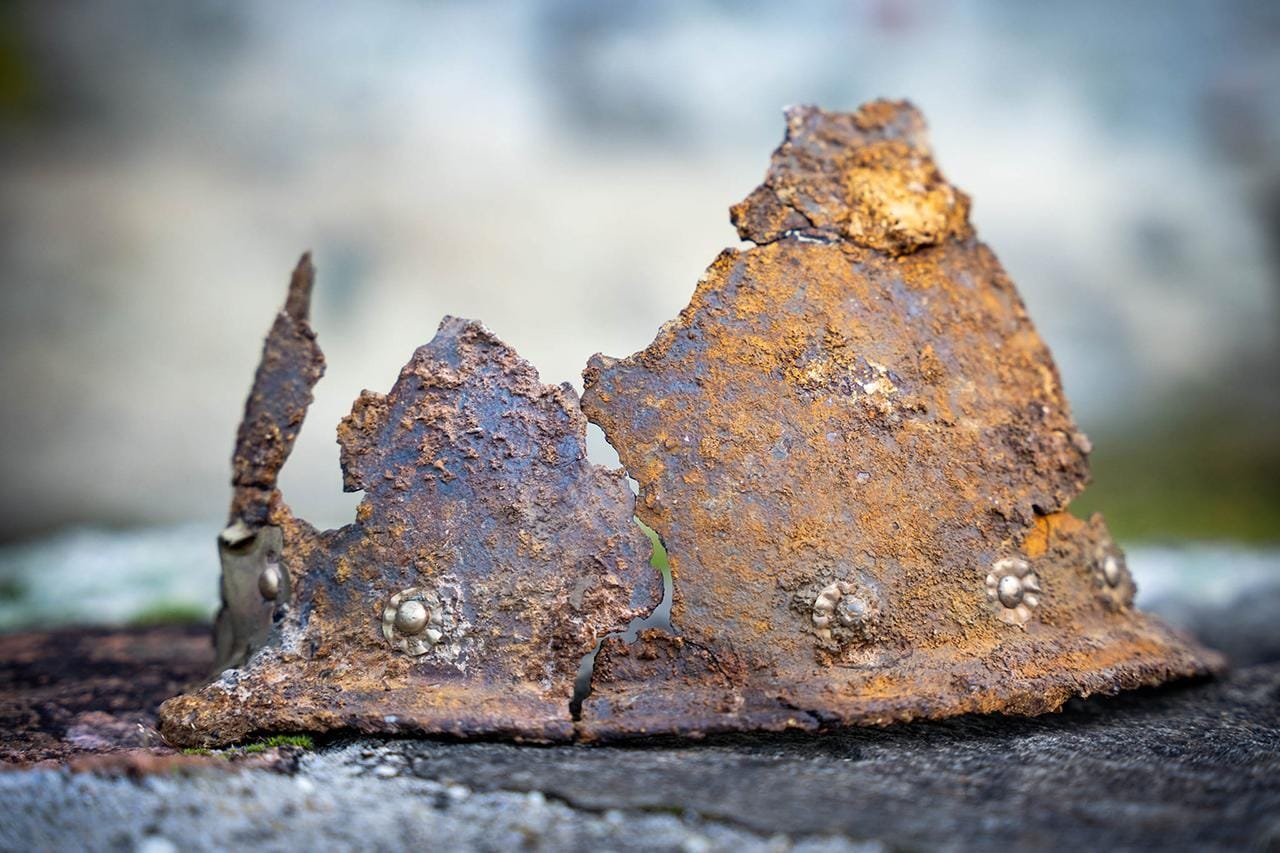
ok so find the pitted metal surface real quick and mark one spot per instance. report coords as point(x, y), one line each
point(853, 443)
point(867, 177)
point(861, 397)
point(487, 558)
point(254, 586)
point(290, 367)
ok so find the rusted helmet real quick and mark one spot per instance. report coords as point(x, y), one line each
point(487, 557)
point(852, 442)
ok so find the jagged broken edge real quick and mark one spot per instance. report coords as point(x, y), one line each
point(290, 366)
point(263, 446)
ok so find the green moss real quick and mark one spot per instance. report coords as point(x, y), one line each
point(276, 741)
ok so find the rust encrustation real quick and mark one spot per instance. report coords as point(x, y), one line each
point(858, 454)
point(853, 443)
point(867, 177)
point(487, 558)
point(289, 369)
point(253, 584)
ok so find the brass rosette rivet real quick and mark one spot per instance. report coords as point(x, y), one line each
point(843, 605)
point(1014, 588)
point(1111, 575)
point(413, 621)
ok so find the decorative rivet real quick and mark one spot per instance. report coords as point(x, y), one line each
point(269, 582)
point(842, 605)
point(413, 621)
point(1111, 570)
point(1009, 591)
point(1015, 587)
point(1112, 576)
point(411, 617)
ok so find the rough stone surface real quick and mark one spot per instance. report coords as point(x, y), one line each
point(1194, 766)
point(92, 690)
point(858, 454)
point(1189, 765)
point(481, 507)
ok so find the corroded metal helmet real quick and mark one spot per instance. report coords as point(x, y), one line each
point(852, 442)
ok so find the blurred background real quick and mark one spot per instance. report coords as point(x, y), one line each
point(562, 170)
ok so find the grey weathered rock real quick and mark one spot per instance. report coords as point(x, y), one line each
point(1191, 767)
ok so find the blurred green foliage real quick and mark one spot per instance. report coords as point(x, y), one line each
point(170, 613)
point(1206, 476)
point(12, 589)
point(18, 90)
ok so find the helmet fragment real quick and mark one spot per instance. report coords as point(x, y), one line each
point(853, 444)
point(487, 558)
point(858, 454)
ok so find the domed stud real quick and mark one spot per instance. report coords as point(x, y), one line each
point(1015, 588)
point(852, 610)
point(1009, 591)
point(411, 617)
point(269, 582)
point(1111, 576)
point(413, 621)
point(1111, 570)
point(843, 605)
